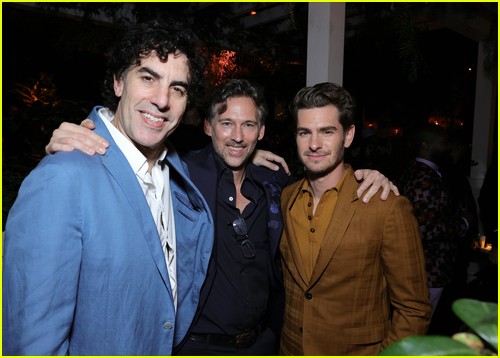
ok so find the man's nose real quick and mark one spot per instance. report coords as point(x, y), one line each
point(315, 142)
point(237, 133)
point(161, 97)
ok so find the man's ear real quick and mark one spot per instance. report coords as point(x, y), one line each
point(349, 136)
point(207, 128)
point(262, 131)
point(118, 86)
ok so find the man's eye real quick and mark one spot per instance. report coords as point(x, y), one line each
point(148, 78)
point(181, 91)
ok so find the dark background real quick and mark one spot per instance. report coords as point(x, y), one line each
point(404, 64)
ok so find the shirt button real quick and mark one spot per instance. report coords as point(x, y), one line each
point(309, 217)
point(309, 204)
point(167, 325)
point(308, 296)
point(231, 198)
point(313, 229)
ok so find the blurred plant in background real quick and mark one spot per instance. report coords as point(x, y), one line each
point(481, 317)
point(42, 90)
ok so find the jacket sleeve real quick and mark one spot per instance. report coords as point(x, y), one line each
point(41, 262)
point(404, 267)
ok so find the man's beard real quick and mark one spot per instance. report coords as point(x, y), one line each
point(322, 172)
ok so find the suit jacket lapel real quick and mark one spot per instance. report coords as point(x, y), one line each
point(203, 173)
point(289, 234)
point(116, 163)
point(342, 215)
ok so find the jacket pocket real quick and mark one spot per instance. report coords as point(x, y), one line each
point(366, 334)
point(185, 207)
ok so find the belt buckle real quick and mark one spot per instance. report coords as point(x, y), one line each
point(244, 339)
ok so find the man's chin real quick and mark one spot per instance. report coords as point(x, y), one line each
point(236, 164)
point(317, 174)
point(320, 172)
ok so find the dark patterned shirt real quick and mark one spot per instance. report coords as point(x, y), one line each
point(440, 224)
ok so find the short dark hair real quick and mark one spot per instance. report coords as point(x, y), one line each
point(167, 37)
point(238, 88)
point(324, 94)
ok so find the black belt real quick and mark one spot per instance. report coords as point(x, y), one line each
point(244, 339)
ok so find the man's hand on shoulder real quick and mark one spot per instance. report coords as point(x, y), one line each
point(373, 180)
point(70, 136)
point(269, 160)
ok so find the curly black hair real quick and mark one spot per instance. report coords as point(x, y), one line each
point(165, 37)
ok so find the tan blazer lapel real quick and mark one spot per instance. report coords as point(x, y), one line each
point(288, 234)
point(342, 215)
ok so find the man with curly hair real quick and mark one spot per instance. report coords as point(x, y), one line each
point(106, 255)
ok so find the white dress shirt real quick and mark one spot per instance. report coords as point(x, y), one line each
point(156, 189)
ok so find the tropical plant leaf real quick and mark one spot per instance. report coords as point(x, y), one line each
point(469, 339)
point(482, 317)
point(428, 346)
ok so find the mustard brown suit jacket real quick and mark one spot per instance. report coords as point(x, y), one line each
point(368, 287)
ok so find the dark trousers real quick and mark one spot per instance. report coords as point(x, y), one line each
point(266, 344)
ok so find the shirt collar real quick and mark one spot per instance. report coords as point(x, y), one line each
point(305, 187)
point(430, 164)
point(252, 190)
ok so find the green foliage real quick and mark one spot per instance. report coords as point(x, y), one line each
point(428, 346)
point(481, 317)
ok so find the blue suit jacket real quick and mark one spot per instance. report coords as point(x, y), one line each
point(84, 272)
point(203, 170)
